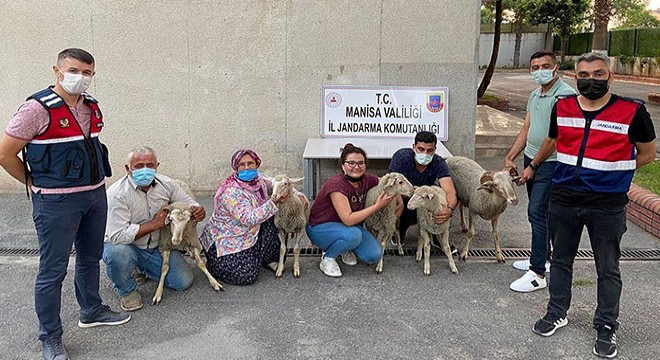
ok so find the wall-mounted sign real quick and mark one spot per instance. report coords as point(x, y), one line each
point(383, 111)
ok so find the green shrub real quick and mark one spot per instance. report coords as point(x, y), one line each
point(647, 42)
point(567, 65)
point(622, 42)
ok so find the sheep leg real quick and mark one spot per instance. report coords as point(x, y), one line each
point(426, 237)
point(296, 254)
point(202, 266)
point(399, 246)
point(420, 244)
point(383, 242)
point(280, 266)
point(163, 272)
point(462, 211)
point(496, 235)
point(444, 242)
point(470, 235)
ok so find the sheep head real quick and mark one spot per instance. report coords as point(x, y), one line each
point(178, 218)
point(395, 184)
point(283, 186)
point(500, 183)
point(424, 196)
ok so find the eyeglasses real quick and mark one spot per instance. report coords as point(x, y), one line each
point(354, 164)
point(246, 165)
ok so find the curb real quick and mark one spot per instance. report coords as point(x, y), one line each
point(644, 209)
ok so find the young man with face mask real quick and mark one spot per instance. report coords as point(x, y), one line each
point(136, 213)
point(422, 166)
point(57, 129)
point(537, 175)
point(600, 139)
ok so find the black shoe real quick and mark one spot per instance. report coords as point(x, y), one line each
point(605, 345)
point(549, 324)
point(52, 349)
point(104, 316)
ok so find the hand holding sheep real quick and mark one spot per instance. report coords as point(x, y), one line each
point(442, 216)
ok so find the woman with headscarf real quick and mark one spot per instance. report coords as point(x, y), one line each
point(240, 237)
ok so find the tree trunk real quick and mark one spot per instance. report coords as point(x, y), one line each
point(516, 49)
point(602, 12)
point(496, 48)
point(564, 43)
point(549, 44)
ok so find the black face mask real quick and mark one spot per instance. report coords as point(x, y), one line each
point(592, 89)
point(353, 180)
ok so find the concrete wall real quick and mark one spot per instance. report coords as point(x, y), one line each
point(198, 79)
point(530, 43)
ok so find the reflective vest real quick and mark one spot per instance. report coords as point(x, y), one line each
point(62, 156)
point(595, 155)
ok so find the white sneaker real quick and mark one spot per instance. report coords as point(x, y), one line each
point(329, 267)
point(528, 283)
point(349, 258)
point(524, 265)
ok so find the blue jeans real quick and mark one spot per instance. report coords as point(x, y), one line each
point(122, 259)
point(335, 238)
point(63, 220)
point(605, 228)
point(538, 192)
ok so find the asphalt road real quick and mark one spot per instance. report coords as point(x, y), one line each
point(515, 85)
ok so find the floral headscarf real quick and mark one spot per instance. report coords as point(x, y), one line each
point(256, 186)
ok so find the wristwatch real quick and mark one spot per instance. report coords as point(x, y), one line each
point(533, 167)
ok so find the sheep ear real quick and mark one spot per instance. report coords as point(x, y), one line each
point(488, 186)
point(431, 196)
point(295, 180)
point(487, 176)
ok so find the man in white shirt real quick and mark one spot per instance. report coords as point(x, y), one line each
point(136, 213)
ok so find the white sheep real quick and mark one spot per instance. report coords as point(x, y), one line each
point(180, 233)
point(290, 220)
point(429, 200)
point(382, 223)
point(485, 193)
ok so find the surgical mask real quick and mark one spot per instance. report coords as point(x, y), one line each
point(592, 89)
point(543, 77)
point(75, 84)
point(248, 175)
point(144, 176)
point(423, 159)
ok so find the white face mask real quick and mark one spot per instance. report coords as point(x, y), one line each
point(423, 159)
point(75, 84)
point(543, 77)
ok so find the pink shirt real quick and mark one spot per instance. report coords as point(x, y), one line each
point(32, 119)
point(323, 211)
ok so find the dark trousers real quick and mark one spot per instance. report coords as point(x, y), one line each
point(242, 268)
point(63, 220)
point(605, 228)
point(538, 192)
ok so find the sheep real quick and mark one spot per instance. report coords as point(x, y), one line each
point(290, 219)
point(429, 200)
point(382, 223)
point(486, 194)
point(180, 233)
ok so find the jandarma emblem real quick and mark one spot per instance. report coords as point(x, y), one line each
point(435, 102)
point(64, 123)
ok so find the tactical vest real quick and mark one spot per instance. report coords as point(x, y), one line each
point(595, 155)
point(63, 156)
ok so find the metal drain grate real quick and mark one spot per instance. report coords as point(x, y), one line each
point(627, 254)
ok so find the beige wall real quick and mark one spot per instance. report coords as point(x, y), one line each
point(198, 79)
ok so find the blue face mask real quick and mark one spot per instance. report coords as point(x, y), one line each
point(423, 159)
point(543, 77)
point(248, 175)
point(144, 176)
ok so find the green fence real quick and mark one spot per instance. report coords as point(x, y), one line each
point(631, 42)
